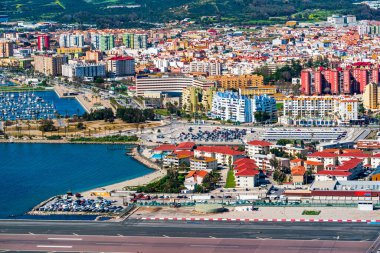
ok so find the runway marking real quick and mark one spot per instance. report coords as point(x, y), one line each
point(212, 246)
point(120, 235)
point(75, 234)
point(119, 243)
point(54, 246)
point(212, 237)
point(66, 239)
point(166, 236)
point(31, 233)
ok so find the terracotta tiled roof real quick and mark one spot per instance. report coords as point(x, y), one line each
point(260, 143)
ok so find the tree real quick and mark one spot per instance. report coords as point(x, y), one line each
point(283, 142)
point(261, 116)
point(279, 176)
point(105, 114)
point(211, 180)
point(274, 163)
point(47, 125)
point(80, 126)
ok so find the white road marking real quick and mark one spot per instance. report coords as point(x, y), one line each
point(66, 239)
point(212, 246)
point(212, 237)
point(119, 243)
point(31, 233)
point(54, 246)
point(75, 234)
point(165, 236)
point(120, 235)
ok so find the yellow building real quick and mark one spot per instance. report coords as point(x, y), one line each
point(237, 82)
point(195, 99)
point(371, 96)
point(259, 90)
point(69, 50)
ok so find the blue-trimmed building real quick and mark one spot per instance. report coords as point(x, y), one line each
point(237, 108)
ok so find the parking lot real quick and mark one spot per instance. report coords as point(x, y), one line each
point(179, 131)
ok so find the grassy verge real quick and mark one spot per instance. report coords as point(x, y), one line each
point(163, 112)
point(230, 182)
point(114, 138)
point(19, 89)
point(310, 212)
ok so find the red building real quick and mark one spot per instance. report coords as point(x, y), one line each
point(305, 82)
point(318, 82)
point(347, 87)
point(43, 42)
point(375, 75)
point(352, 80)
point(332, 76)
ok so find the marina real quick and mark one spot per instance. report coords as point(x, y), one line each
point(37, 105)
point(25, 106)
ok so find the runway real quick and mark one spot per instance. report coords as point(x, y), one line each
point(72, 243)
point(183, 236)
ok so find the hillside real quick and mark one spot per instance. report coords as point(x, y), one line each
point(126, 13)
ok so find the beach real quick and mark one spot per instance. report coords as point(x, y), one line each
point(157, 174)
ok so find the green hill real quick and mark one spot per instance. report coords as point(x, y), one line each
point(119, 13)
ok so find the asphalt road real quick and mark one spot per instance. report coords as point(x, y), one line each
point(203, 229)
point(65, 243)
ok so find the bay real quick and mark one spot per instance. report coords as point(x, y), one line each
point(31, 173)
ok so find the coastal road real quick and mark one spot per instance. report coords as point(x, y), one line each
point(65, 243)
point(203, 236)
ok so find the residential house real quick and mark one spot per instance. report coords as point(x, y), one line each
point(193, 178)
point(225, 155)
point(258, 147)
point(203, 163)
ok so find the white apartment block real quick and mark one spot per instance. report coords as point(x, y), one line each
point(83, 70)
point(320, 110)
point(203, 163)
point(212, 68)
point(237, 108)
point(71, 40)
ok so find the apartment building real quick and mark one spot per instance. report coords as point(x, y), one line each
point(237, 108)
point(351, 80)
point(83, 70)
point(237, 82)
point(203, 163)
point(71, 40)
point(371, 98)
point(121, 66)
point(49, 65)
point(103, 42)
point(258, 147)
point(211, 68)
point(320, 110)
point(135, 40)
point(6, 49)
point(195, 99)
point(43, 42)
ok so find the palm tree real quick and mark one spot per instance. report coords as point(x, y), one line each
point(274, 163)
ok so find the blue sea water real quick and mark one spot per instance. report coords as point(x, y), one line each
point(64, 106)
point(31, 173)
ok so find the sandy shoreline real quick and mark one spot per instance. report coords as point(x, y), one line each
point(156, 174)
